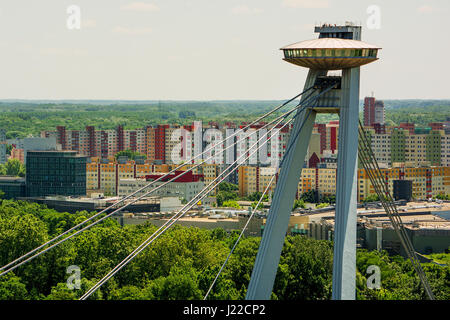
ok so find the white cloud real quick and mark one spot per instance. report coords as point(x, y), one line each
point(306, 3)
point(140, 6)
point(132, 31)
point(243, 9)
point(425, 9)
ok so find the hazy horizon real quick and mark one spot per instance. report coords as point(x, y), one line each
point(210, 50)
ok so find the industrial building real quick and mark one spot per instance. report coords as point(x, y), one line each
point(74, 204)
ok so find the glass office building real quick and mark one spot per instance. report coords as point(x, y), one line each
point(13, 187)
point(55, 173)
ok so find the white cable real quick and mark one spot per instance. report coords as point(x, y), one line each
point(131, 202)
point(240, 236)
point(171, 221)
point(251, 216)
point(144, 187)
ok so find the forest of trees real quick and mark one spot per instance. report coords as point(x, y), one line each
point(22, 119)
point(181, 264)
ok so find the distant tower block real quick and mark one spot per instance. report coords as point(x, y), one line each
point(338, 48)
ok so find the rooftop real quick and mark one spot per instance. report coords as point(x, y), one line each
point(417, 215)
point(330, 53)
point(330, 43)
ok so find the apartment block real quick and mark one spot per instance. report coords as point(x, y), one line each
point(427, 181)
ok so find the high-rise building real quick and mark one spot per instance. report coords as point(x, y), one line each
point(3, 157)
point(369, 111)
point(55, 173)
point(20, 147)
point(373, 111)
point(379, 112)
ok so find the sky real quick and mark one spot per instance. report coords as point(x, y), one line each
point(211, 49)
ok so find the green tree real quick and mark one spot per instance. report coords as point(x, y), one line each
point(309, 196)
point(180, 284)
point(127, 293)
point(11, 288)
point(240, 265)
point(371, 198)
point(231, 204)
point(130, 154)
point(62, 292)
point(223, 196)
point(259, 207)
point(329, 199)
point(305, 270)
point(256, 196)
point(227, 186)
point(13, 167)
point(299, 204)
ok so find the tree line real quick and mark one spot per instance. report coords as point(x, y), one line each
point(181, 264)
point(22, 119)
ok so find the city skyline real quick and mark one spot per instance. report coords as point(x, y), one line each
point(209, 50)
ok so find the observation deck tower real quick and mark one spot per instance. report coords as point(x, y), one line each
point(337, 48)
point(330, 53)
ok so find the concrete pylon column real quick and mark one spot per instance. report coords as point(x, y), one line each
point(344, 262)
point(267, 259)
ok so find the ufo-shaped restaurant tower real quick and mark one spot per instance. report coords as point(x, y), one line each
point(337, 48)
point(330, 53)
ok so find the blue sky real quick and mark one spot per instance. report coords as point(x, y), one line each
point(210, 49)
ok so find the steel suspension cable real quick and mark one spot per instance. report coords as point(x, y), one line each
point(174, 219)
point(254, 210)
point(148, 185)
point(240, 235)
point(399, 229)
point(375, 175)
point(370, 165)
point(141, 196)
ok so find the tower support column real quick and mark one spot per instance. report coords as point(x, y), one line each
point(344, 262)
point(268, 257)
